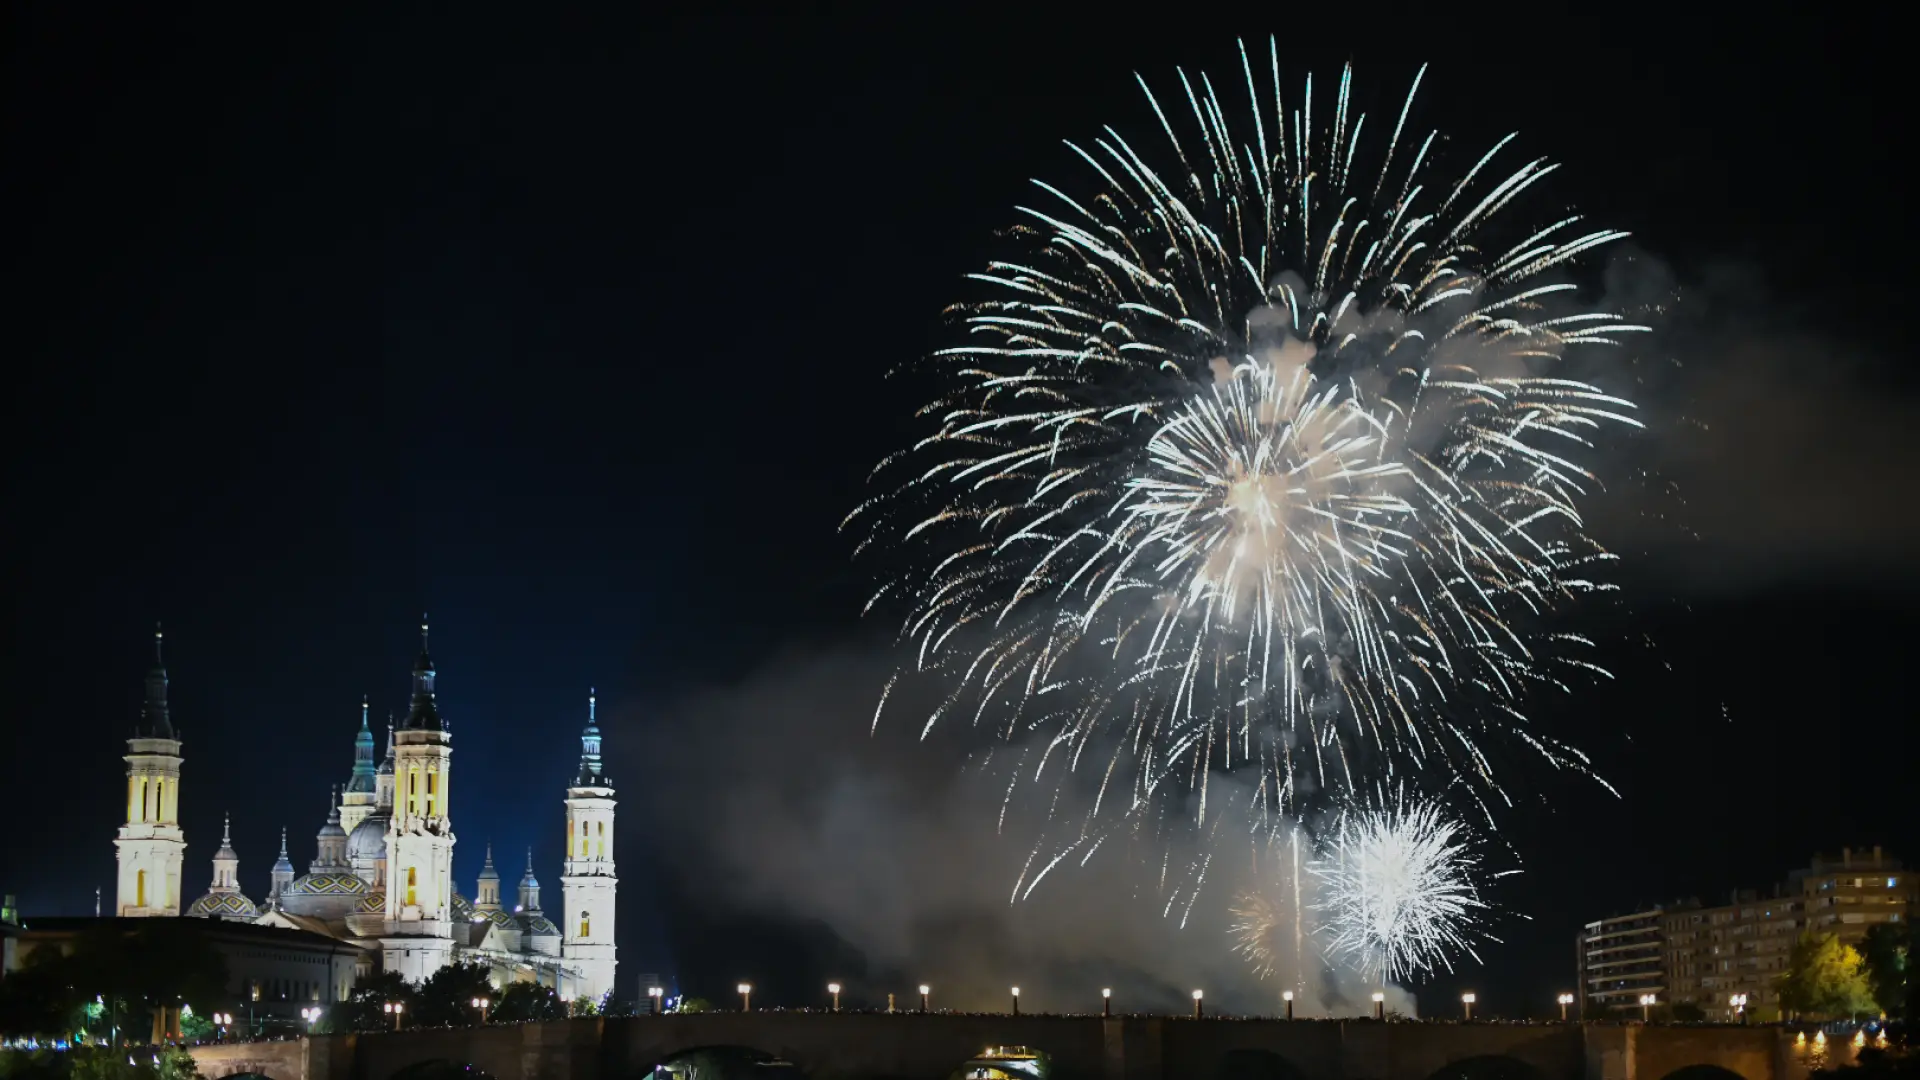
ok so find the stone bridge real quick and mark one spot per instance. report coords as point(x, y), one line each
point(867, 1046)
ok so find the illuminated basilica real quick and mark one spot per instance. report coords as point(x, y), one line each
point(382, 875)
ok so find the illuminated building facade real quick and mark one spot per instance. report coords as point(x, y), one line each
point(382, 880)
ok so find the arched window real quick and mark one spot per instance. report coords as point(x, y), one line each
point(140, 888)
point(585, 923)
point(603, 840)
point(412, 880)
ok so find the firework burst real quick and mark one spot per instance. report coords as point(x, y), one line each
point(1397, 891)
point(1257, 460)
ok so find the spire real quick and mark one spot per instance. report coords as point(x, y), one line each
point(590, 775)
point(530, 888)
point(282, 870)
point(154, 722)
point(422, 716)
point(226, 861)
point(363, 768)
point(386, 765)
point(487, 896)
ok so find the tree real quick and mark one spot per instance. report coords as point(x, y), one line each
point(613, 1006)
point(694, 1005)
point(445, 999)
point(584, 1006)
point(366, 1010)
point(529, 1001)
point(1686, 1012)
point(1825, 979)
point(1886, 951)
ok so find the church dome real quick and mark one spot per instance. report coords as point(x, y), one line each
point(368, 841)
point(324, 895)
point(462, 908)
point(223, 905)
point(324, 884)
point(375, 901)
point(535, 924)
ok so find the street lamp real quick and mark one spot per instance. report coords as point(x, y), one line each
point(1196, 1004)
point(924, 991)
point(1646, 1008)
point(481, 1004)
point(1379, 1005)
point(746, 996)
point(1287, 996)
point(394, 1009)
point(222, 1021)
point(1466, 1002)
point(311, 1015)
point(834, 989)
point(1016, 1001)
point(1106, 1001)
point(1564, 1000)
point(654, 994)
point(1739, 1003)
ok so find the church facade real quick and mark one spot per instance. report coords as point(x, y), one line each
point(382, 874)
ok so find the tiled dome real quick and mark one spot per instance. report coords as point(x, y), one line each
point(223, 905)
point(375, 901)
point(326, 884)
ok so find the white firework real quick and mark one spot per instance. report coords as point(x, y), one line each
point(1397, 891)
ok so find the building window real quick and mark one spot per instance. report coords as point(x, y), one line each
point(140, 888)
point(412, 880)
point(584, 923)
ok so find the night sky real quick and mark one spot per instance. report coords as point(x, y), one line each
point(571, 332)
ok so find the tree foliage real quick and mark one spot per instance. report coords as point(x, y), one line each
point(365, 1010)
point(1887, 951)
point(1825, 978)
point(99, 1063)
point(529, 1001)
point(445, 999)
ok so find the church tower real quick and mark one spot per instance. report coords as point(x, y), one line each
point(357, 803)
point(587, 882)
point(487, 898)
point(418, 937)
point(151, 845)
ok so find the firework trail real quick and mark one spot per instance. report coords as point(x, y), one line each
point(1258, 457)
point(1397, 890)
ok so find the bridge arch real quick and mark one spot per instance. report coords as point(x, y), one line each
point(442, 1069)
point(1703, 1071)
point(721, 1062)
point(1249, 1064)
point(1488, 1067)
point(1005, 1062)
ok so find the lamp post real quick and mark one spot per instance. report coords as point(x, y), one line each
point(1197, 995)
point(1016, 1001)
point(924, 991)
point(1565, 1000)
point(481, 1004)
point(1287, 996)
point(746, 996)
point(834, 989)
point(394, 1009)
point(1466, 1002)
point(222, 1021)
point(1739, 1003)
point(1106, 1002)
point(1379, 1005)
point(311, 1015)
point(1646, 1008)
point(654, 993)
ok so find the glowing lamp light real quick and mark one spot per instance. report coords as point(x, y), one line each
point(1106, 992)
point(1378, 997)
point(925, 989)
point(743, 988)
point(833, 988)
point(1286, 995)
point(1016, 991)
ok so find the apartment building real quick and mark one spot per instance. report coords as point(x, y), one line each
point(1622, 958)
point(1706, 954)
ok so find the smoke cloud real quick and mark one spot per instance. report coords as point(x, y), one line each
point(1773, 452)
point(898, 847)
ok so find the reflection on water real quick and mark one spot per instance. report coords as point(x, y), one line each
point(726, 1063)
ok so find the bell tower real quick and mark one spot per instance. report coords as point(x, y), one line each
point(588, 881)
point(150, 845)
point(418, 936)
